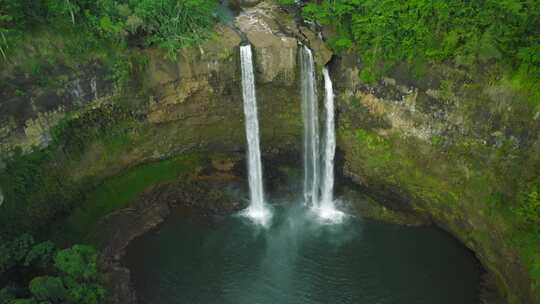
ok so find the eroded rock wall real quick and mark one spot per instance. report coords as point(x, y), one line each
point(451, 147)
point(90, 130)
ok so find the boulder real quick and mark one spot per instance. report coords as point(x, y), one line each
point(275, 50)
point(275, 37)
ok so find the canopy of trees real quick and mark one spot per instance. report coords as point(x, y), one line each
point(169, 24)
point(34, 273)
point(461, 32)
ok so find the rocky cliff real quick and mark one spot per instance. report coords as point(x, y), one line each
point(80, 127)
point(445, 145)
point(451, 147)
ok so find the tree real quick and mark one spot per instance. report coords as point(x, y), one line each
point(41, 255)
point(78, 265)
point(14, 252)
point(48, 289)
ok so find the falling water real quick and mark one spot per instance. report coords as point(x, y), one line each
point(314, 185)
point(329, 144)
point(257, 210)
point(311, 128)
point(326, 208)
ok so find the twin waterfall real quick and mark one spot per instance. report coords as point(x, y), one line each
point(318, 192)
point(257, 210)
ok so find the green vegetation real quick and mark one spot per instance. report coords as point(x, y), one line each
point(89, 25)
point(40, 273)
point(528, 209)
point(40, 187)
point(479, 192)
point(35, 184)
point(468, 34)
point(117, 192)
point(527, 214)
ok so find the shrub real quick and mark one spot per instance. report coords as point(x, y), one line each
point(41, 255)
point(73, 277)
point(528, 209)
point(78, 262)
point(48, 289)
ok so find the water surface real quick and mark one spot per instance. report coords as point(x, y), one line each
point(197, 260)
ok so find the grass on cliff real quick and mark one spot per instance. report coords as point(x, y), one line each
point(118, 191)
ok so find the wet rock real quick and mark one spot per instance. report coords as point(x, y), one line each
point(275, 37)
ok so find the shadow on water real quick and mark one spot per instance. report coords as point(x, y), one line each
point(297, 259)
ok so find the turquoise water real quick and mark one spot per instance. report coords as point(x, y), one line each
point(196, 260)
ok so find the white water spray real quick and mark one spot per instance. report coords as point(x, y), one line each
point(257, 210)
point(311, 128)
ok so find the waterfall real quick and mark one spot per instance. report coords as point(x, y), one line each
point(327, 209)
point(311, 128)
point(329, 144)
point(257, 209)
point(318, 192)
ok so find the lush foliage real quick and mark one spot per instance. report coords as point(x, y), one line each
point(34, 184)
point(39, 188)
point(465, 33)
point(170, 24)
point(40, 273)
point(528, 209)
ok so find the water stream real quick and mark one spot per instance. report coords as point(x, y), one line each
point(257, 210)
point(310, 112)
point(327, 209)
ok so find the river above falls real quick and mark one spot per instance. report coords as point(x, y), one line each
point(202, 260)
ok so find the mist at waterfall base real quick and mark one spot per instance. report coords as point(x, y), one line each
point(204, 260)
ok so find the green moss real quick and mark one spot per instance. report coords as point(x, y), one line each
point(469, 186)
point(116, 192)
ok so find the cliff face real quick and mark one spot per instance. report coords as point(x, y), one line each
point(81, 128)
point(445, 145)
point(450, 147)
